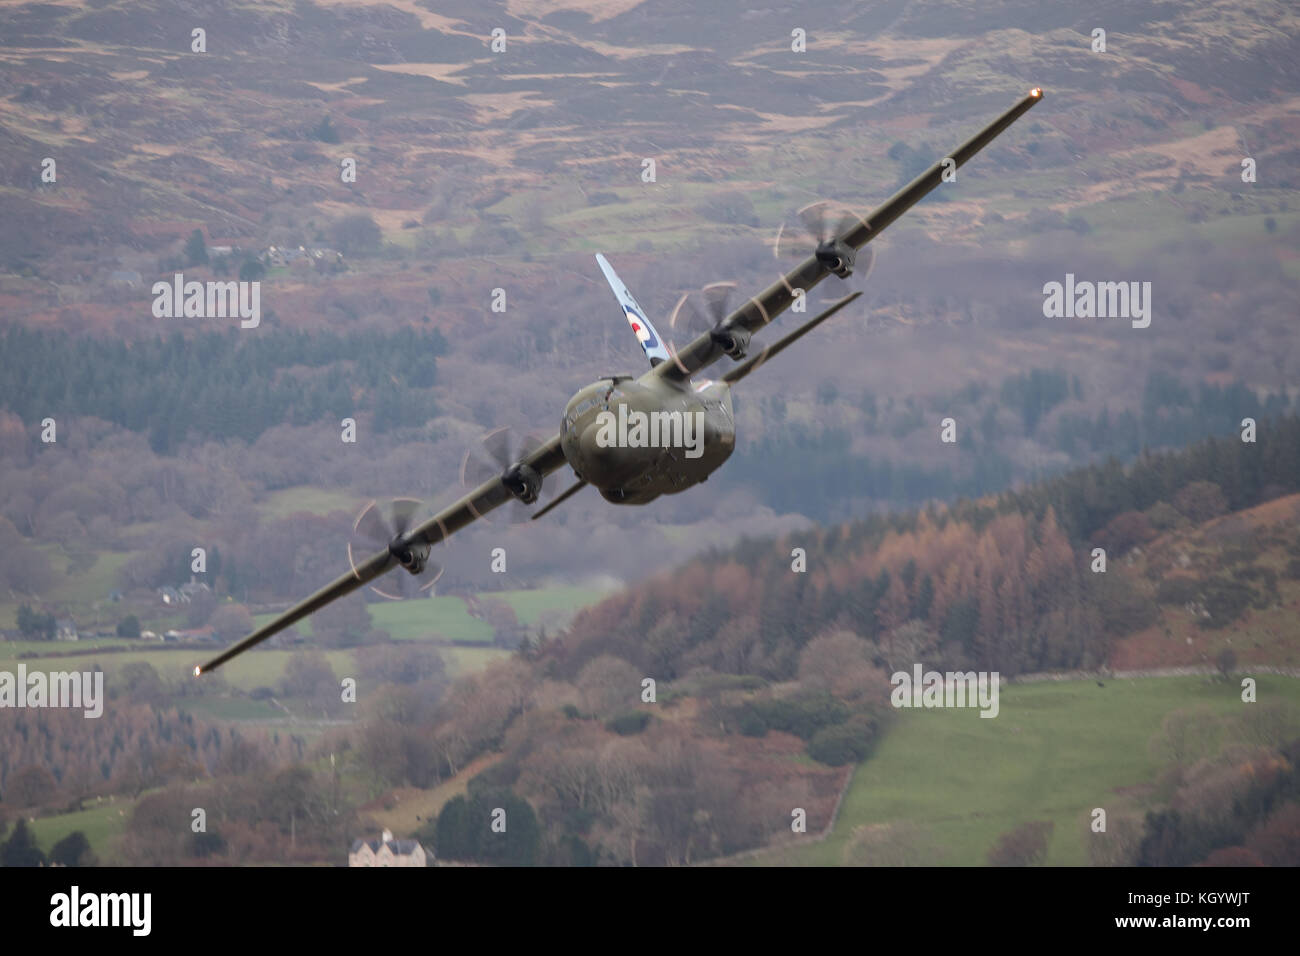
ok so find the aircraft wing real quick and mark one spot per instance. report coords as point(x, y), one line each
point(698, 354)
point(489, 495)
point(776, 298)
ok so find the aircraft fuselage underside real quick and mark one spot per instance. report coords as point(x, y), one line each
point(635, 441)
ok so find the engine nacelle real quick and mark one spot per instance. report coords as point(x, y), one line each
point(734, 342)
point(412, 557)
point(837, 257)
point(523, 482)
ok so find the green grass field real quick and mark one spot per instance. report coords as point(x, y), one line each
point(12, 650)
point(442, 618)
point(256, 669)
point(1056, 751)
point(435, 618)
point(261, 668)
point(76, 593)
point(232, 708)
point(468, 660)
point(445, 618)
point(103, 824)
point(287, 501)
point(530, 605)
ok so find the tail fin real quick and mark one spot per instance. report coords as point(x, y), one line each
point(645, 332)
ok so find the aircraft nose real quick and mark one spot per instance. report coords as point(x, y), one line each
point(607, 458)
point(600, 460)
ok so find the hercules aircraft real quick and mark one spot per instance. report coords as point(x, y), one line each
point(613, 431)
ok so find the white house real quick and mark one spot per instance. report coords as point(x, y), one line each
point(386, 852)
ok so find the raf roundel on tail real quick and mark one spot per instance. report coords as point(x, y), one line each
point(641, 327)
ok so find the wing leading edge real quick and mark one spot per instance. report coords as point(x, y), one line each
point(776, 298)
point(491, 494)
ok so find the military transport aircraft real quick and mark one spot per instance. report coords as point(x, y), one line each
point(636, 438)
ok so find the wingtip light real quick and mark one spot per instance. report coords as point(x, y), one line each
point(1036, 92)
point(198, 669)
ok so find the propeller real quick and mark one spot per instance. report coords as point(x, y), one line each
point(702, 312)
point(380, 527)
point(824, 223)
point(500, 453)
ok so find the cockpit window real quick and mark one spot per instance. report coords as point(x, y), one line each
point(582, 408)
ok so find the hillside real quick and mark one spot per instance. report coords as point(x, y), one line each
point(1011, 584)
point(942, 788)
point(584, 89)
point(752, 669)
point(686, 720)
point(1246, 564)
